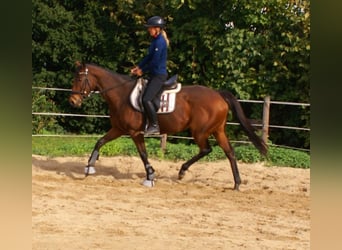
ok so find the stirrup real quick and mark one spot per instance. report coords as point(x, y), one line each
point(153, 129)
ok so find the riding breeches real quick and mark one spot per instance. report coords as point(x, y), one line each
point(154, 90)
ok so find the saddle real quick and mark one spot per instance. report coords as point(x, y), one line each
point(167, 102)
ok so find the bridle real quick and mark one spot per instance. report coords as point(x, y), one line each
point(86, 84)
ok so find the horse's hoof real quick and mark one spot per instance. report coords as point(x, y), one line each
point(89, 170)
point(148, 183)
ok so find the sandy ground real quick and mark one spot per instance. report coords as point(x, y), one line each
point(112, 210)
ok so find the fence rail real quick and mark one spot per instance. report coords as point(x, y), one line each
point(240, 100)
point(264, 125)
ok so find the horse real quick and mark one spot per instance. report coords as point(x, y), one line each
point(200, 109)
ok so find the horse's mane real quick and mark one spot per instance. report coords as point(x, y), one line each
point(113, 73)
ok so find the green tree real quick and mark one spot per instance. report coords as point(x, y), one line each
point(253, 49)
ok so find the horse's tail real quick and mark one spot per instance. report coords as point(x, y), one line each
point(246, 125)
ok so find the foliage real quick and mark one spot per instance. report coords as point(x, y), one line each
point(43, 124)
point(57, 146)
point(283, 157)
point(252, 48)
point(70, 146)
point(249, 154)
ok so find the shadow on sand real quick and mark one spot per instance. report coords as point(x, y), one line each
point(75, 170)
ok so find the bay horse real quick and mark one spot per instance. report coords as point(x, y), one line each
point(198, 108)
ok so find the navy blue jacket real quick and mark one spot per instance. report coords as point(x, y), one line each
point(154, 63)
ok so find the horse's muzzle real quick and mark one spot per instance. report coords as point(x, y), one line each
point(75, 101)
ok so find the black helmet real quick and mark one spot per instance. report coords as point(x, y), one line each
point(155, 21)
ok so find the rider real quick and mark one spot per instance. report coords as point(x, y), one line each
point(154, 63)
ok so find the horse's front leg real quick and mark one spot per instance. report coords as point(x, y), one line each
point(111, 135)
point(150, 173)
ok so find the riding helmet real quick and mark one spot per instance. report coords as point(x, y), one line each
point(155, 21)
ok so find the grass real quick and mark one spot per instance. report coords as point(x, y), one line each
point(83, 146)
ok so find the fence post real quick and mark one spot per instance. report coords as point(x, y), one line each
point(266, 118)
point(163, 139)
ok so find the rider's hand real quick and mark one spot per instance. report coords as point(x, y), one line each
point(136, 71)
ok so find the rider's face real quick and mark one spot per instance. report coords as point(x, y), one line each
point(153, 31)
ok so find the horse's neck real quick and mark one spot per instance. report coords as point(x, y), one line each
point(115, 89)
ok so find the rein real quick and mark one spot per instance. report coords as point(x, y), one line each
point(113, 87)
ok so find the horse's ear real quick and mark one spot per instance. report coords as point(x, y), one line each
point(78, 64)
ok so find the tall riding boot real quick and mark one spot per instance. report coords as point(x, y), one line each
point(153, 127)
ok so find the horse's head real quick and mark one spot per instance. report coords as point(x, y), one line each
point(83, 84)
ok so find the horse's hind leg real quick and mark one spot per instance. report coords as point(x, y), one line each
point(204, 150)
point(224, 143)
point(111, 135)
